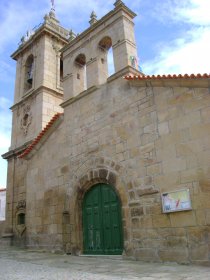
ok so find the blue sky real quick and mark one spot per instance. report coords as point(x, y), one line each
point(172, 36)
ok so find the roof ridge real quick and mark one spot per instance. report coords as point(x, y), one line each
point(169, 76)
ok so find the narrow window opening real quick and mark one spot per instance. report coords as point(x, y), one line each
point(21, 219)
point(61, 72)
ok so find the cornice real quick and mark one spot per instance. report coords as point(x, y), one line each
point(98, 24)
point(35, 92)
point(16, 151)
point(44, 29)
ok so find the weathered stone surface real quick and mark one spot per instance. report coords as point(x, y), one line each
point(2, 227)
point(200, 217)
point(137, 211)
point(146, 255)
point(199, 253)
point(174, 255)
point(205, 185)
point(103, 173)
point(208, 217)
point(135, 223)
point(163, 128)
point(65, 169)
point(147, 191)
point(112, 178)
point(162, 220)
point(175, 242)
point(154, 209)
point(183, 219)
point(154, 169)
point(145, 221)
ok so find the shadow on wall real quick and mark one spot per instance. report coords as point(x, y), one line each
point(2, 225)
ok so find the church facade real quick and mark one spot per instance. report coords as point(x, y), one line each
point(103, 164)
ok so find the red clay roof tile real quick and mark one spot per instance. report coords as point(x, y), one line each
point(149, 77)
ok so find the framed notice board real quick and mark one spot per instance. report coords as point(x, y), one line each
point(176, 201)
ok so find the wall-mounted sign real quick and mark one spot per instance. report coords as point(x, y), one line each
point(176, 201)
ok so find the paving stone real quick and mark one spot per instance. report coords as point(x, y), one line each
point(18, 264)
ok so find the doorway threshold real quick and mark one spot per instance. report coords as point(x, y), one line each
point(113, 257)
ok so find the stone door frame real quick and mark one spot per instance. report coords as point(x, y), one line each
point(105, 172)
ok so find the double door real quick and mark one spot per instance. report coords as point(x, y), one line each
point(102, 222)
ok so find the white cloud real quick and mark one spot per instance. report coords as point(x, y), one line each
point(194, 11)
point(188, 11)
point(183, 55)
point(189, 53)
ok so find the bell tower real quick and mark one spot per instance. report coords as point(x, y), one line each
point(39, 73)
point(85, 58)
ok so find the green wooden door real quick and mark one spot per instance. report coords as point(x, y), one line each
point(102, 222)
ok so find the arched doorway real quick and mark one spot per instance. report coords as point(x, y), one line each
point(102, 221)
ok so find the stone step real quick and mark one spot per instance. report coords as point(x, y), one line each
point(113, 257)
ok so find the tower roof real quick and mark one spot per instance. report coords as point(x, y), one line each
point(51, 25)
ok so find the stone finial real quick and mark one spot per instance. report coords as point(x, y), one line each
point(118, 2)
point(93, 18)
point(51, 17)
point(26, 37)
point(52, 13)
point(46, 18)
point(72, 35)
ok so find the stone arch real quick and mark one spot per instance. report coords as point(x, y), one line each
point(80, 60)
point(92, 172)
point(105, 53)
point(105, 43)
point(80, 68)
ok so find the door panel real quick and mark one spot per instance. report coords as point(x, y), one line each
point(102, 226)
point(92, 222)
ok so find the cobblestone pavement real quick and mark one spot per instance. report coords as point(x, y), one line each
point(18, 264)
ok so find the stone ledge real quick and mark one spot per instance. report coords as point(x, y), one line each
point(147, 191)
point(15, 151)
point(79, 96)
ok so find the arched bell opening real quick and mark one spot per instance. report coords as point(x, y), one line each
point(29, 73)
point(81, 75)
point(106, 56)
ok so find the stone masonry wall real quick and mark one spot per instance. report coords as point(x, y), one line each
point(142, 140)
